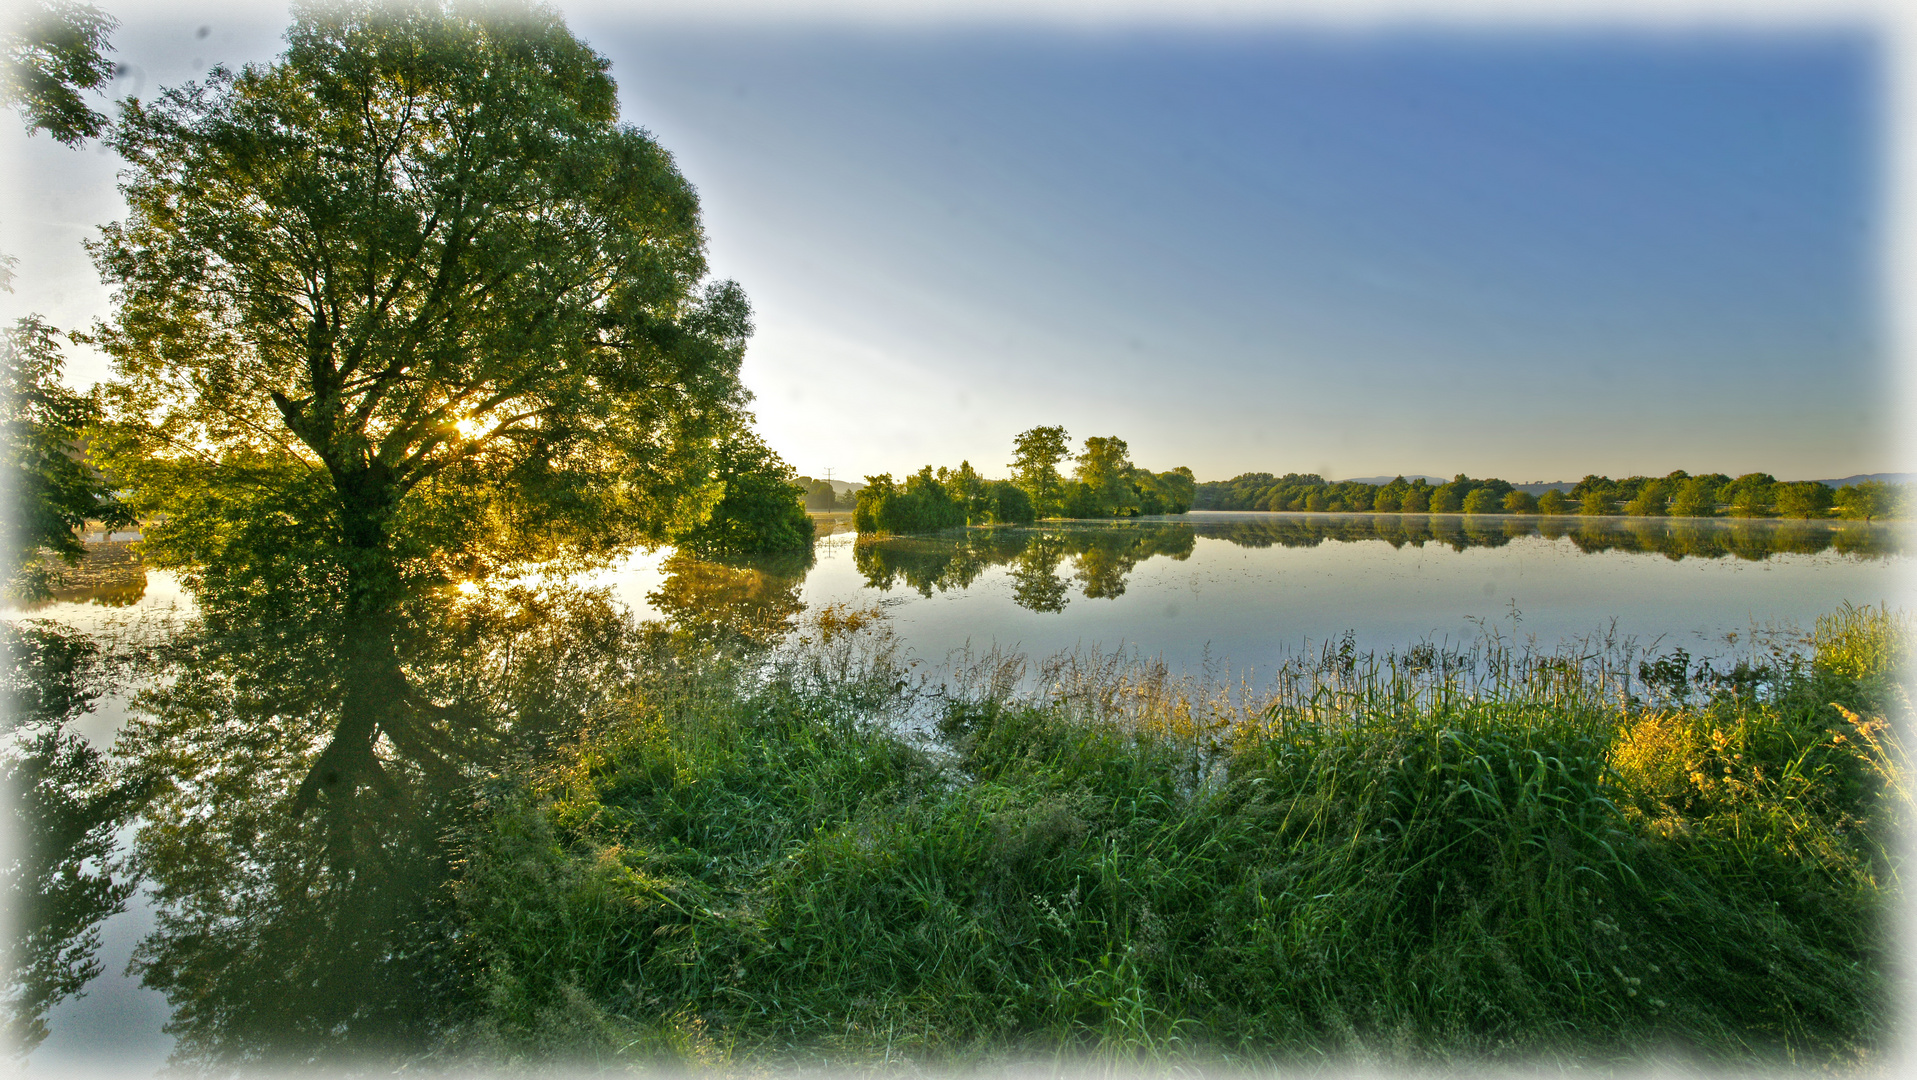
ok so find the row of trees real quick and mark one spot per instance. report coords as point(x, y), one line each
point(1677, 494)
point(1103, 484)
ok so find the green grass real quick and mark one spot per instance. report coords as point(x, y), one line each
point(1425, 858)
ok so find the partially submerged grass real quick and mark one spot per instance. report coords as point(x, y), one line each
point(1423, 857)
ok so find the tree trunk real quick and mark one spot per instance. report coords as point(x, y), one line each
point(374, 685)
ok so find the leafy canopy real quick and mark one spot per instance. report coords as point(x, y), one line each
point(54, 51)
point(50, 491)
point(413, 288)
point(761, 511)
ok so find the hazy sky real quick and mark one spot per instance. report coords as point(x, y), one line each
point(1239, 245)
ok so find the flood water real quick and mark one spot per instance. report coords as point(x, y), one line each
point(1228, 590)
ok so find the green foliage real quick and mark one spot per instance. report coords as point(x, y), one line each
point(1696, 497)
point(1384, 863)
point(404, 307)
point(1679, 494)
point(1807, 499)
point(760, 512)
point(1596, 495)
point(418, 256)
point(1164, 493)
point(1749, 495)
point(1871, 499)
point(51, 489)
point(1108, 485)
point(1483, 500)
point(921, 505)
point(1105, 469)
point(1009, 504)
point(1038, 452)
point(54, 50)
point(1651, 499)
point(819, 495)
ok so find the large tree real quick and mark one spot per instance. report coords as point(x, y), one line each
point(54, 50)
point(413, 296)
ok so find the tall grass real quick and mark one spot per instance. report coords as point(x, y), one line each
point(1429, 856)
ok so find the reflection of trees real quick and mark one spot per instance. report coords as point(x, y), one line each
point(925, 563)
point(750, 600)
point(1036, 585)
point(1674, 538)
point(109, 575)
point(62, 804)
point(1104, 556)
point(304, 938)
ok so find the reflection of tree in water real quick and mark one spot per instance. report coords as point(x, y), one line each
point(285, 936)
point(1036, 585)
point(1106, 557)
point(750, 600)
point(63, 802)
point(925, 563)
point(1674, 538)
point(110, 575)
point(1103, 556)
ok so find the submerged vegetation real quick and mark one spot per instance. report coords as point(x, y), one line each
point(1500, 854)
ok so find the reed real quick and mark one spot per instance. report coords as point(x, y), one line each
point(1433, 856)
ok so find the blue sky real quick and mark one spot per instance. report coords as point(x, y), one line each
point(1251, 247)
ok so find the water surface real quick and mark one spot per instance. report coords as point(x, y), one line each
point(1217, 588)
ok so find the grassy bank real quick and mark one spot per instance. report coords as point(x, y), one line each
point(1423, 857)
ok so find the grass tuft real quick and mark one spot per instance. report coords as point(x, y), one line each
point(1422, 858)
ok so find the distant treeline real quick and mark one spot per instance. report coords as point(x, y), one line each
point(1104, 484)
point(1678, 494)
point(820, 495)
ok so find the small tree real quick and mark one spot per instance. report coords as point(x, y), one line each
point(1651, 500)
point(1749, 495)
point(1038, 452)
point(1520, 502)
point(1696, 497)
point(921, 505)
point(1483, 500)
point(1867, 501)
point(1596, 495)
point(1010, 505)
point(1807, 499)
point(760, 513)
point(1105, 467)
point(1553, 502)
